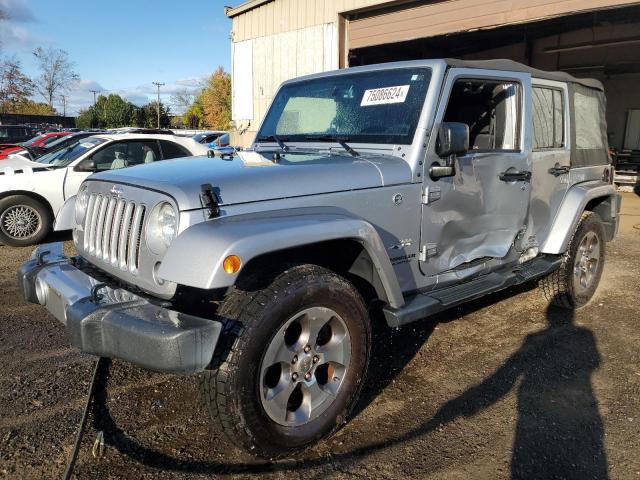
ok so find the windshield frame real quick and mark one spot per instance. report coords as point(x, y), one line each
point(376, 140)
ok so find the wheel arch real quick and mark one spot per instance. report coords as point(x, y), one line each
point(348, 245)
point(595, 196)
point(27, 193)
point(346, 257)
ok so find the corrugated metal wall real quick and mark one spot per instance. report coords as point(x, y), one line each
point(286, 15)
point(438, 18)
point(290, 38)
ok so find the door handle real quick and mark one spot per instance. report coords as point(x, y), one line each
point(513, 175)
point(558, 170)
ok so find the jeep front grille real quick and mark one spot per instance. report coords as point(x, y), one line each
point(113, 230)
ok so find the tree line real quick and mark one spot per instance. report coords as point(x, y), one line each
point(56, 76)
point(209, 106)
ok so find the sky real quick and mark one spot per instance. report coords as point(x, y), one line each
point(122, 46)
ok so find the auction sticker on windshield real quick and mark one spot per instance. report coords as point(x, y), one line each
point(378, 96)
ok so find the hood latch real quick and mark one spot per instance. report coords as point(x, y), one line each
point(209, 200)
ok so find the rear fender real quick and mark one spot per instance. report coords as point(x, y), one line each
point(574, 204)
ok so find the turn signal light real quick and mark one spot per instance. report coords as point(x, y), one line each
point(232, 264)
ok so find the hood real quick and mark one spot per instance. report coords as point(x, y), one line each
point(20, 165)
point(252, 177)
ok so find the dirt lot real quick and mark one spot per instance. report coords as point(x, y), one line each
point(503, 387)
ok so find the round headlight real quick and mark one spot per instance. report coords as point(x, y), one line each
point(162, 227)
point(82, 201)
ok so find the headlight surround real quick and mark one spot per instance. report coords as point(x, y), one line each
point(162, 227)
point(82, 202)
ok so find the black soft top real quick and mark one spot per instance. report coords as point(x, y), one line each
point(505, 64)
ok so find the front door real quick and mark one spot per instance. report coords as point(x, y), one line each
point(477, 214)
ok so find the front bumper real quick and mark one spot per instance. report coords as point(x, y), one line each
point(113, 322)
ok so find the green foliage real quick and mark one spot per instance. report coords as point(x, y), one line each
point(194, 116)
point(86, 118)
point(109, 112)
point(29, 107)
point(149, 117)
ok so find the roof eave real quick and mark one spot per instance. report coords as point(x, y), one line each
point(244, 7)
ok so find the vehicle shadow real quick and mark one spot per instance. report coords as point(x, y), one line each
point(559, 431)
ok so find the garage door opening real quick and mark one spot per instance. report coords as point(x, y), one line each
point(603, 44)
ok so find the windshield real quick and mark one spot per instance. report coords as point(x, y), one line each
point(65, 156)
point(371, 107)
point(28, 143)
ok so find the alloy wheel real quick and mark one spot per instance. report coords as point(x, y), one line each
point(304, 366)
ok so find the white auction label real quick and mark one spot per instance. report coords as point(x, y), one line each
point(378, 96)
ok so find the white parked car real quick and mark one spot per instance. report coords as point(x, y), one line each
point(32, 192)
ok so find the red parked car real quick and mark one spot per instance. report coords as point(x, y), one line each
point(39, 141)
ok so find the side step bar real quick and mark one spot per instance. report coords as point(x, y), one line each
point(423, 305)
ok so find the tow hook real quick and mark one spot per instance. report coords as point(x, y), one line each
point(94, 296)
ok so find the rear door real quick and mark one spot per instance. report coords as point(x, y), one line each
point(550, 154)
point(477, 214)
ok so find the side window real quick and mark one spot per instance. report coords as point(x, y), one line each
point(173, 150)
point(491, 110)
point(589, 119)
point(548, 123)
point(126, 154)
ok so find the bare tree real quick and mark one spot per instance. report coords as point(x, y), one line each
point(183, 99)
point(57, 73)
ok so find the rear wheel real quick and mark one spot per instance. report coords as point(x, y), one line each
point(23, 221)
point(291, 361)
point(576, 281)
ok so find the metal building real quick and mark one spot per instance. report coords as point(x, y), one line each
point(274, 40)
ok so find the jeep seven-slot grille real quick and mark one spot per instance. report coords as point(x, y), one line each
point(113, 230)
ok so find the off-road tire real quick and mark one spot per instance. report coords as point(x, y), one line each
point(252, 313)
point(558, 287)
point(42, 212)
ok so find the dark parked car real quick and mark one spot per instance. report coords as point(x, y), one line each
point(15, 134)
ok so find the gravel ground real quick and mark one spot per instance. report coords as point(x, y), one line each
point(503, 387)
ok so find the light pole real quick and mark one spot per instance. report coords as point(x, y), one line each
point(158, 84)
point(64, 105)
point(94, 106)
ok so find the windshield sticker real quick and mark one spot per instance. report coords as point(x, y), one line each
point(379, 96)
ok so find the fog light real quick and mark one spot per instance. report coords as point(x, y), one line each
point(232, 264)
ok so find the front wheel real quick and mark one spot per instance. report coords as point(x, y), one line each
point(291, 362)
point(23, 221)
point(576, 281)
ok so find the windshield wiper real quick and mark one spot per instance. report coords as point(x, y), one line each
point(334, 138)
point(274, 138)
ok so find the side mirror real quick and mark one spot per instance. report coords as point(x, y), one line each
point(453, 140)
point(88, 165)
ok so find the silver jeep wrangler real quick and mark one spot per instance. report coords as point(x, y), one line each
point(408, 187)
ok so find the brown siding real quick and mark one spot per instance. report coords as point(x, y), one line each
point(408, 23)
point(281, 16)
